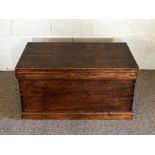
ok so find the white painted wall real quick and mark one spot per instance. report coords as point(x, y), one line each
point(139, 34)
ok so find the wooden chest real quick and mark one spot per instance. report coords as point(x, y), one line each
point(77, 81)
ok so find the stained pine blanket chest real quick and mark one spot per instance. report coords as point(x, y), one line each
point(76, 81)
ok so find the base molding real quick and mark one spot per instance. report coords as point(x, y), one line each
point(78, 116)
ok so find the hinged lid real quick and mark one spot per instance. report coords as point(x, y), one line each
point(76, 60)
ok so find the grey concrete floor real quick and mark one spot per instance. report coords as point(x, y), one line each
point(143, 122)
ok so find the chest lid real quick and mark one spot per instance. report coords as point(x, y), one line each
point(80, 60)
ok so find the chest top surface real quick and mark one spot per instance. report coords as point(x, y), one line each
point(43, 55)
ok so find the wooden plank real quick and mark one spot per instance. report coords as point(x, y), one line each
point(57, 88)
point(78, 116)
point(70, 74)
point(67, 104)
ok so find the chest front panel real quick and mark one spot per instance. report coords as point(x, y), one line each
point(77, 95)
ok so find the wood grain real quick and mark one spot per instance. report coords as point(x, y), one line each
point(76, 55)
point(77, 74)
point(77, 95)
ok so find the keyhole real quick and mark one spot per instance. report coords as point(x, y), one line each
point(77, 75)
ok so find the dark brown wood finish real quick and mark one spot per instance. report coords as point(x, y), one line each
point(77, 81)
point(81, 95)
